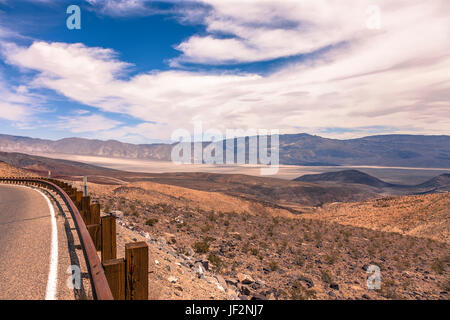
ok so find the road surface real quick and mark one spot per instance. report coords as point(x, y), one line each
point(27, 245)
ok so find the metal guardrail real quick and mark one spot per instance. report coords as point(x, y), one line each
point(100, 286)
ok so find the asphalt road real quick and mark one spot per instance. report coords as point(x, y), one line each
point(25, 244)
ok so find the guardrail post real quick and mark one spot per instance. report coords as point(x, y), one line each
point(86, 208)
point(115, 274)
point(109, 250)
point(95, 231)
point(136, 268)
point(79, 195)
point(95, 214)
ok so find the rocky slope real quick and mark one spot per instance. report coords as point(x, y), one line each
point(262, 255)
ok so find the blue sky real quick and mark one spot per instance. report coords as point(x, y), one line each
point(139, 70)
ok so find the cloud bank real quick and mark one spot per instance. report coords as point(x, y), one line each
point(396, 76)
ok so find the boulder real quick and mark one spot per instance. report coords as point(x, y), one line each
point(334, 286)
point(258, 297)
point(308, 281)
point(244, 278)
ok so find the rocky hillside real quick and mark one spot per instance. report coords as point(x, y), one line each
point(295, 149)
point(425, 216)
point(262, 254)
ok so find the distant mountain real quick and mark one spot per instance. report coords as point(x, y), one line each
point(346, 176)
point(295, 149)
point(440, 183)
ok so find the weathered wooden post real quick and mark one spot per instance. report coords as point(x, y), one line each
point(79, 195)
point(115, 274)
point(86, 208)
point(94, 226)
point(136, 271)
point(95, 214)
point(95, 231)
point(109, 250)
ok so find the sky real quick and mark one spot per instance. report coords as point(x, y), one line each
point(137, 71)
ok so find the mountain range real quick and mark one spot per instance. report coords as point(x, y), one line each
point(295, 149)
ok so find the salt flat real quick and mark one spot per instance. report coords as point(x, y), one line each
point(401, 175)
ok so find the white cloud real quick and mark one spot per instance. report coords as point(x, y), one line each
point(86, 123)
point(394, 77)
point(120, 7)
point(15, 103)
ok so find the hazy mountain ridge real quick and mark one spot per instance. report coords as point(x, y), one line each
point(295, 149)
point(437, 184)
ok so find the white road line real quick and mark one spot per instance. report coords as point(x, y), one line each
point(53, 272)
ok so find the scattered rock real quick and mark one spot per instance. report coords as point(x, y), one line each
point(245, 279)
point(334, 286)
point(222, 282)
point(199, 269)
point(232, 282)
point(258, 297)
point(308, 281)
point(172, 279)
point(244, 290)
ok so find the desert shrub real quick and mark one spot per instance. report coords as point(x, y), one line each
point(215, 261)
point(331, 258)
point(438, 266)
point(299, 292)
point(446, 285)
point(181, 225)
point(403, 265)
point(299, 259)
point(246, 247)
point(325, 276)
point(201, 246)
point(212, 217)
point(388, 289)
point(206, 228)
point(151, 222)
point(273, 265)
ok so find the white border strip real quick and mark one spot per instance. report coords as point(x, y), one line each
point(53, 272)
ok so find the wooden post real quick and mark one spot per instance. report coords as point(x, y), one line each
point(78, 199)
point(115, 274)
point(86, 209)
point(95, 230)
point(136, 271)
point(109, 250)
point(95, 214)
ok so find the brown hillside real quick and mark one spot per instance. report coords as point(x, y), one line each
point(425, 216)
